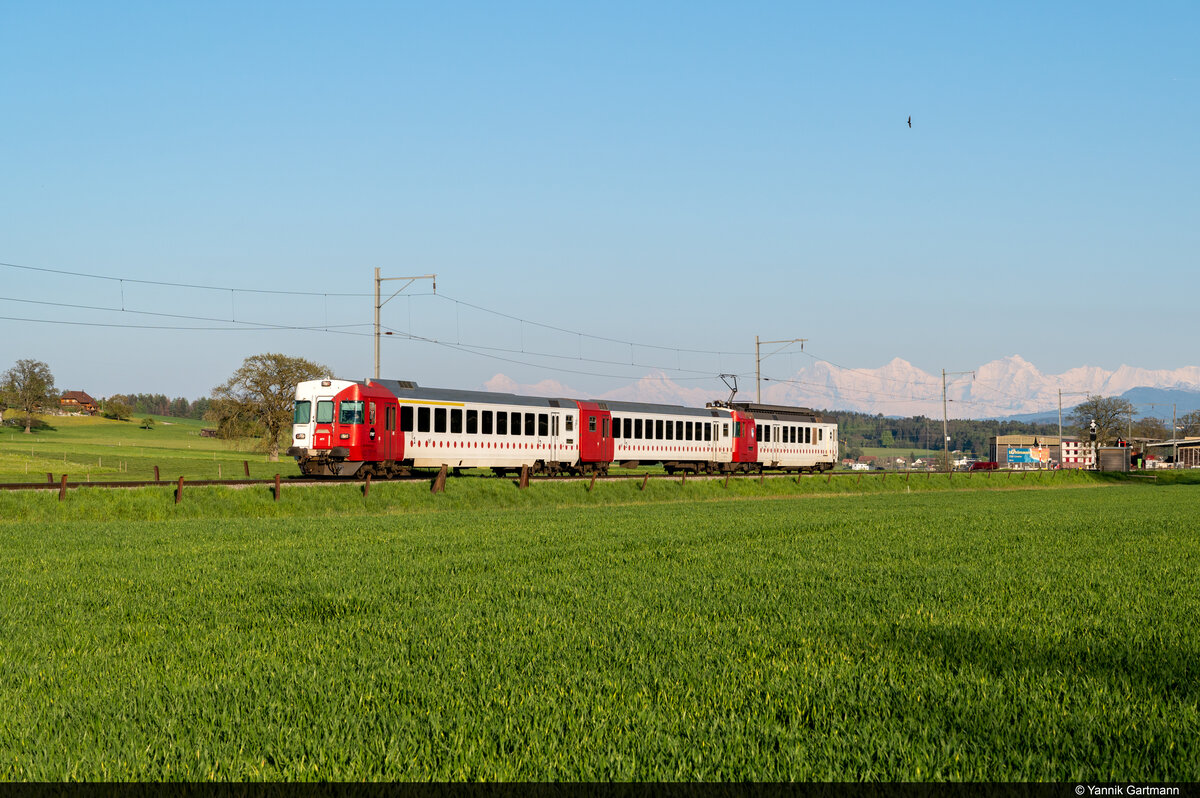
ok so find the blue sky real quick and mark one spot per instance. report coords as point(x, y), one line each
point(676, 175)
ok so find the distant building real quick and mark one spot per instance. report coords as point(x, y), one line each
point(1040, 451)
point(1183, 452)
point(77, 401)
point(1076, 454)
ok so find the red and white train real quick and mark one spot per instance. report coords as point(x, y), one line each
point(385, 428)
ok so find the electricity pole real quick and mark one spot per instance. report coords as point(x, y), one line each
point(758, 361)
point(945, 414)
point(379, 304)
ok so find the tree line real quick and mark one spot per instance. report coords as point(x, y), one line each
point(159, 405)
point(256, 402)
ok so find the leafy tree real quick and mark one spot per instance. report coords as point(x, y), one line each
point(261, 393)
point(147, 423)
point(116, 408)
point(28, 386)
point(1111, 414)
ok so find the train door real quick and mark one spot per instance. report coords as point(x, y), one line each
point(389, 431)
point(322, 435)
point(555, 421)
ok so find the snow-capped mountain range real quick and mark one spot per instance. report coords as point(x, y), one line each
point(1005, 387)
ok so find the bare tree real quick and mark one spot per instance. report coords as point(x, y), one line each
point(29, 387)
point(1111, 414)
point(261, 393)
point(1189, 423)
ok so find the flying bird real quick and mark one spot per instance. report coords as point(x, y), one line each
point(910, 121)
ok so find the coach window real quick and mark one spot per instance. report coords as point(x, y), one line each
point(808, 434)
point(439, 419)
point(725, 430)
point(302, 413)
point(529, 425)
point(628, 428)
point(487, 422)
point(737, 429)
point(502, 423)
point(406, 418)
point(687, 430)
point(422, 419)
point(456, 421)
point(708, 431)
point(591, 423)
point(637, 429)
point(821, 433)
point(543, 424)
point(472, 422)
point(514, 424)
point(570, 423)
point(658, 429)
point(670, 430)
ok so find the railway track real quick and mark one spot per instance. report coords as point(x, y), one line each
point(63, 483)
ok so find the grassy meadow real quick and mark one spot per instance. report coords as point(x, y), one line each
point(100, 449)
point(973, 627)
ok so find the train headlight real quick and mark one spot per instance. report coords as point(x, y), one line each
point(299, 436)
point(345, 436)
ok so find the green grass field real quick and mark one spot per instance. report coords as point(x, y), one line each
point(688, 632)
point(100, 449)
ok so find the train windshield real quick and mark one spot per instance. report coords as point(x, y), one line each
point(325, 412)
point(351, 412)
point(303, 413)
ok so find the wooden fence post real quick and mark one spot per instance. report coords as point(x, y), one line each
point(276, 487)
point(682, 477)
point(367, 486)
point(524, 481)
point(178, 490)
point(829, 478)
point(156, 473)
point(62, 488)
point(726, 480)
point(439, 482)
point(246, 467)
point(49, 478)
point(592, 484)
point(646, 478)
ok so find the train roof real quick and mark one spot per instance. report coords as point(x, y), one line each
point(403, 389)
point(779, 412)
point(646, 407)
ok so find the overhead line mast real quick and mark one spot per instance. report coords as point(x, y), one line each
point(379, 304)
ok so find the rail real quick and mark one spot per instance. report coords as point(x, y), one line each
point(438, 480)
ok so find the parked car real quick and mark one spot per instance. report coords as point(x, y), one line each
point(984, 465)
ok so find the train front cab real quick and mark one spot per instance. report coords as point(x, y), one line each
point(596, 448)
point(343, 428)
point(745, 445)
